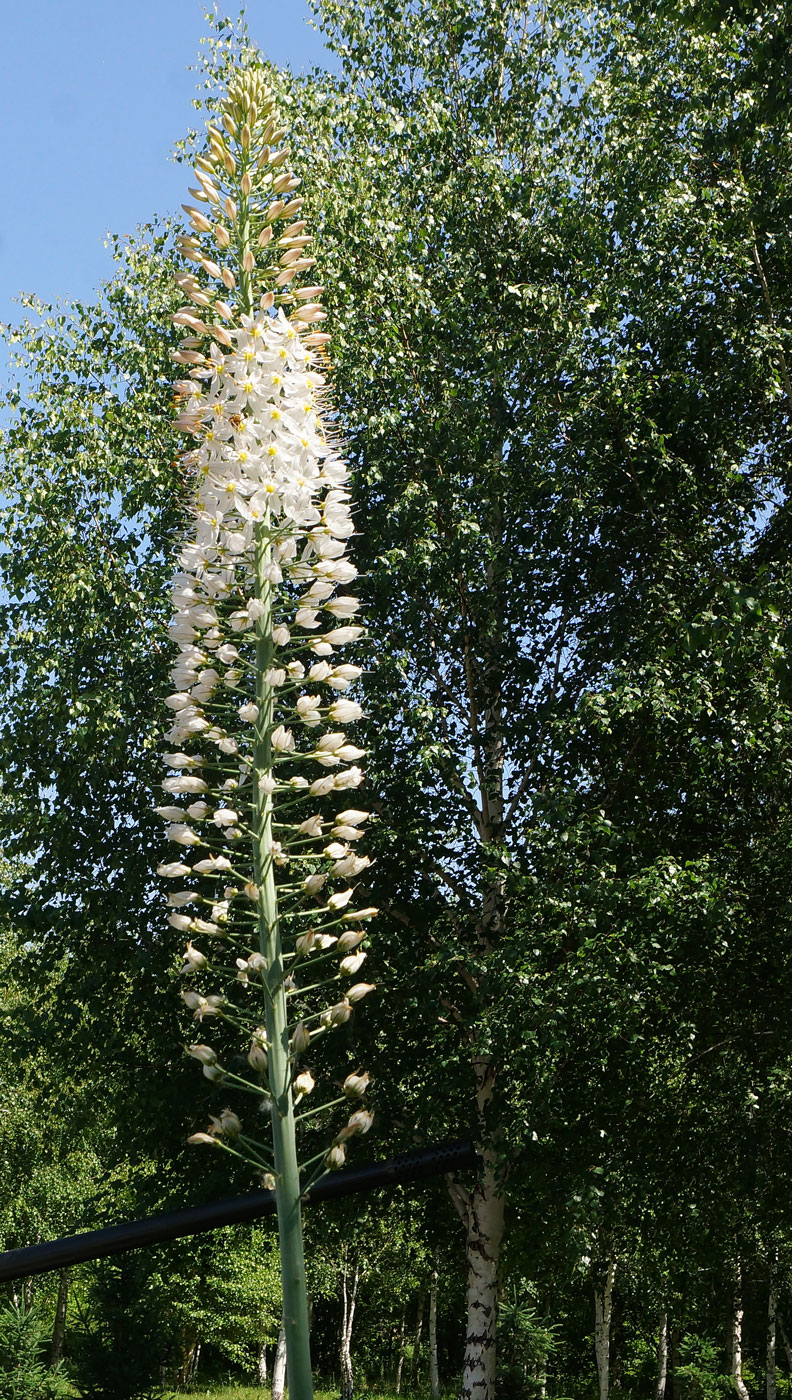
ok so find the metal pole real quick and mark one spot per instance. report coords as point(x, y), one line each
point(137, 1234)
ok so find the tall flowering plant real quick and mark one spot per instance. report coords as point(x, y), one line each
point(262, 773)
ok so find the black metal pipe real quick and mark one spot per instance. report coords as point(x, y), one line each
point(136, 1234)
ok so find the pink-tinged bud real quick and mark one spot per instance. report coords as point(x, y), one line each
point(257, 1057)
point(221, 236)
point(229, 1124)
point(349, 941)
point(336, 1157)
point(265, 236)
point(252, 891)
point(359, 991)
point(229, 280)
point(199, 222)
point(336, 1015)
point(349, 966)
point(202, 1139)
point(204, 1053)
point(223, 309)
point(301, 1039)
point(267, 301)
point(355, 1085)
point(303, 1084)
point(248, 260)
point(211, 268)
point(361, 1121)
point(339, 900)
point(361, 914)
point(221, 334)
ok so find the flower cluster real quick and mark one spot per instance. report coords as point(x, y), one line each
point(261, 770)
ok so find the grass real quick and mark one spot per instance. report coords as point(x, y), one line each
point(262, 1392)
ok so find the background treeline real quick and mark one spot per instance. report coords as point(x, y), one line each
point(556, 246)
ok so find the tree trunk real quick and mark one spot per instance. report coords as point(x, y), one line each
point(736, 1339)
point(662, 1358)
point(482, 1211)
point(59, 1326)
point(261, 1365)
point(771, 1386)
point(402, 1339)
point(784, 1340)
point(348, 1318)
point(603, 1311)
point(416, 1356)
point(434, 1377)
point(279, 1365)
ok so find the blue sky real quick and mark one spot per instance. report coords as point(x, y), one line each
point(93, 95)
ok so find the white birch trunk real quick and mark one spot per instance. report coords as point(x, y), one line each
point(279, 1365)
point(784, 1340)
point(770, 1373)
point(261, 1364)
point(603, 1311)
point(402, 1338)
point(736, 1340)
point(661, 1373)
point(416, 1356)
point(59, 1326)
point(434, 1376)
point(348, 1318)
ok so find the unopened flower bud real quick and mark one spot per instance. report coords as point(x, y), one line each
point(349, 966)
point(359, 991)
point(204, 1139)
point(361, 1121)
point(204, 1053)
point(303, 1084)
point(355, 1085)
point(349, 941)
point(301, 1038)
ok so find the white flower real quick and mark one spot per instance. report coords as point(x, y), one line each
point(187, 783)
point(350, 965)
point(173, 870)
point(282, 740)
point(339, 900)
point(183, 835)
point(345, 711)
point(249, 713)
point(225, 816)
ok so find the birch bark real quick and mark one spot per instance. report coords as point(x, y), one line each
point(434, 1377)
point(771, 1387)
point(402, 1337)
point(661, 1372)
point(736, 1339)
point(279, 1365)
point(349, 1296)
point(59, 1326)
point(603, 1311)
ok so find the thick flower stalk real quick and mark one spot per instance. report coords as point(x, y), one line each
point(262, 774)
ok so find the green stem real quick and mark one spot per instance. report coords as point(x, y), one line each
point(287, 1191)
